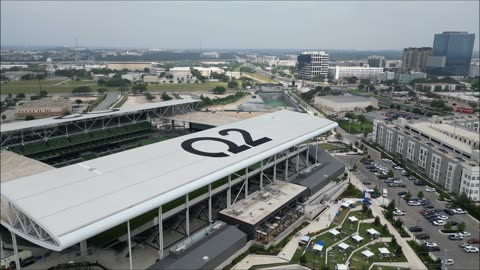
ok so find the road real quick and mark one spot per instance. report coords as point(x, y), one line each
point(462, 260)
point(110, 98)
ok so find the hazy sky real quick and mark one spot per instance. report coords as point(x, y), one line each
point(358, 25)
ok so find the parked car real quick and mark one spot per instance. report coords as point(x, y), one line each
point(396, 167)
point(442, 217)
point(430, 244)
point(382, 176)
point(433, 248)
point(452, 222)
point(405, 173)
point(415, 229)
point(419, 183)
point(459, 211)
point(399, 213)
point(414, 203)
point(448, 262)
point(464, 244)
point(429, 189)
point(439, 223)
point(412, 178)
point(464, 234)
point(366, 183)
point(402, 193)
point(422, 236)
point(448, 212)
point(387, 160)
point(470, 249)
point(455, 237)
point(473, 241)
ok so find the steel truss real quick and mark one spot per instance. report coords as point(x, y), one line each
point(23, 136)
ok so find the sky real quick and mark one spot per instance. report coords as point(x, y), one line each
point(358, 25)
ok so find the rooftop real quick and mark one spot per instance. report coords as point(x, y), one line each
point(261, 204)
point(79, 201)
point(45, 103)
point(343, 99)
point(15, 166)
point(463, 95)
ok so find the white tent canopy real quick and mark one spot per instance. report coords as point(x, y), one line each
point(318, 247)
point(383, 250)
point(357, 238)
point(304, 239)
point(343, 246)
point(372, 231)
point(334, 232)
point(353, 219)
point(341, 267)
point(367, 253)
point(73, 203)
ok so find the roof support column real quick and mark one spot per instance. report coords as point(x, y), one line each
point(129, 245)
point(210, 203)
point(246, 182)
point(160, 232)
point(261, 175)
point(1, 247)
point(286, 165)
point(308, 153)
point(298, 159)
point(15, 251)
point(229, 192)
point(83, 248)
point(316, 150)
point(274, 168)
point(187, 216)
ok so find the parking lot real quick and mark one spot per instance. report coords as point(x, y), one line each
point(449, 248)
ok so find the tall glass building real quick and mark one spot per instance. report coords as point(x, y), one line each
point(457, 48)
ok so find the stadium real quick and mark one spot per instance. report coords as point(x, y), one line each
point(152, 177)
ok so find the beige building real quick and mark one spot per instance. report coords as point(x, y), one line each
point(415, 59)
point(336, 104)
point(130, 65)
point(43, 108)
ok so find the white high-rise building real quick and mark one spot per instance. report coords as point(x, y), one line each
point(372, 73)
point(313, 64)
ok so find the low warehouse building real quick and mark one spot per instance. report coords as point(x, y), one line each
point(43, 108)
point(331, 104)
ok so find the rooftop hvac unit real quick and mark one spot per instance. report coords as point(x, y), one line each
point(238, 212)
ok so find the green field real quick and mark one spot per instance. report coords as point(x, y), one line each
point(260, 78)
point(30, 87)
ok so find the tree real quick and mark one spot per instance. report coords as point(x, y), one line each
point(461, 226)
point(361, 86)
point(385, 228)
point(390, 173)
point(392, 106)
point(398, 107)
point(4, 117)
point(232, 84)
point(165, 97)
point(81, 90)
point(150, 97)
point(20, 95)
point(394, 242)
point(102, 90)
point(408, 195)
point(219, 90)
point(78, 101)
point(448, 226)
point(420, 194)
point(369, 108)
point(472, 104)
point(364, 207)
point(141, 87)
point(376, 221)
point(338, 136)
point(43, 93)
point(398, 251)
point(29, 117)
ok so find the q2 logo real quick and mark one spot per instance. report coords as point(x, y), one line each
point(232, 147)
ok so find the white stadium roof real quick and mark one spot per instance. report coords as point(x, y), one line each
point(79, 201)
point(77, 117)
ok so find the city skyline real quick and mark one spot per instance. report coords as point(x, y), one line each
point(234, 25)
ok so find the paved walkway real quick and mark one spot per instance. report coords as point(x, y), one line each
point(254, 259)
point(391, 264)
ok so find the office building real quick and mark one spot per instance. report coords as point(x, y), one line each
point(415, 59)
point(376, 61)
point(456, 47)
point(371, 73)
point(313, 64)
point(406, 78)
point(443, 150)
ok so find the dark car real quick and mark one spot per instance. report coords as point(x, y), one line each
point(415, 229)
point(448, 212)
point(422, 236)
point(420, 183)
point(370, 166)
point(366, 183)
point(473, 241)
point(428, 206)
point(435, 248)
point(401, 193)
point(381, 176)
point(374, 170)
point(452, 222)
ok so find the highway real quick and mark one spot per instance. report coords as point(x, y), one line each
point(110, 98)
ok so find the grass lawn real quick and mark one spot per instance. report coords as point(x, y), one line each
point(359, 262)
point(32, 87)
point(365, 226)
point(259, 77)
point(356, 127)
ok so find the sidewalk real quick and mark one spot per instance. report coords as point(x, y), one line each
point(253, 259)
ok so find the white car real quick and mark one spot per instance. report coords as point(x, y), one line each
point(448, 262)
point(442, 217)
point(387, 160)
point(399, 213)
point(396, 167)
point(439, 223)
point(470, 249)
point(430, 244)
point(414, 203)
point(459, 211)
point(429, 189)
point(464, 234)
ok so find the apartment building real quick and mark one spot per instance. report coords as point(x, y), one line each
point(443, 150)
point(372, 73)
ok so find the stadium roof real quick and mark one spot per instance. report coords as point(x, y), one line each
point(78, 117)
point(79, 201)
